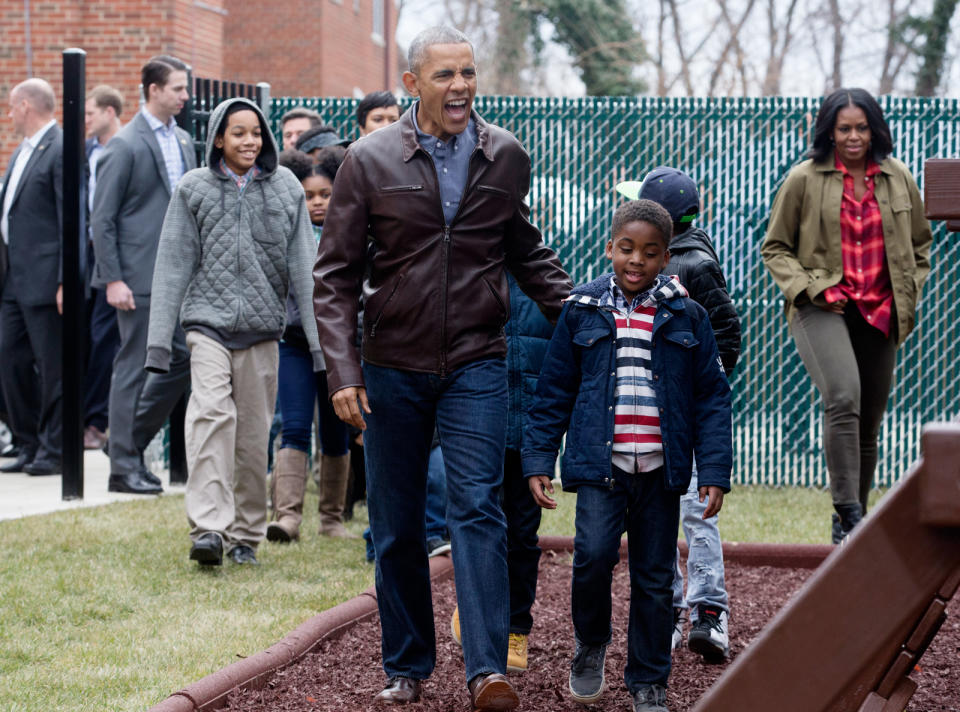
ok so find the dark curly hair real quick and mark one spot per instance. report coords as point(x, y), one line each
point(881, 145)
point(328, 161)
point(645, 211)
point(297, 161)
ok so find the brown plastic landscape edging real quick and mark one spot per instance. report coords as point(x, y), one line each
point(211, 692)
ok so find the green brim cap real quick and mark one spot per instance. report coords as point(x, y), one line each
point(630, 189)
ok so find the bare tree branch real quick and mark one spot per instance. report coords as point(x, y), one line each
point(732, 43)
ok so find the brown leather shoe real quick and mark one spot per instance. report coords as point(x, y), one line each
point(399, 691)
point(492, 693)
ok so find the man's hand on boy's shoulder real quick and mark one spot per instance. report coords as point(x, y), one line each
point(539, 486)
point(715, 494)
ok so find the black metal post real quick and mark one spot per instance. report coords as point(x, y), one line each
point(74, 308)
point(177, 452)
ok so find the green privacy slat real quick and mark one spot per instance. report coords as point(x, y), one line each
point(739, 150)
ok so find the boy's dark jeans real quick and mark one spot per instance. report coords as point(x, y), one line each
point(523, 552)
point(651, 515)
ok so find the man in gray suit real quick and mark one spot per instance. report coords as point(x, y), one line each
point(30, 274)
point(135, 177)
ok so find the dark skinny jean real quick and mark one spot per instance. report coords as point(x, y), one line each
point(851, 364)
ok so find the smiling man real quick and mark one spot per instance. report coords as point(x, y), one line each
point(441, 193)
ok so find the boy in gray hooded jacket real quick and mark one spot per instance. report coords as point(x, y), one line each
point(235, 238)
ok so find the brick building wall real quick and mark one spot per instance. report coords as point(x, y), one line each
point(301, 47)
point(311, 47)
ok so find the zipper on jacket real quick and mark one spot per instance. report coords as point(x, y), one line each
point(444, 278)
point(236, 320)
point(445, 260)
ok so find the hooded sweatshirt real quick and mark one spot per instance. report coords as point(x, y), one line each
point(227, 258)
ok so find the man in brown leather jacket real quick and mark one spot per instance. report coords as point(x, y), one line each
point(441, 194)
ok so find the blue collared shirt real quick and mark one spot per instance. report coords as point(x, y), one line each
point(169, 146)
point(451, 158)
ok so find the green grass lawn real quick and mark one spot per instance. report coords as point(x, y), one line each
point(102, 610)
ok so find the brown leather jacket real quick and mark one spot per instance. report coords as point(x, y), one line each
point(435, 295)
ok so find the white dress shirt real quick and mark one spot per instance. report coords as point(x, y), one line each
point(26, 150)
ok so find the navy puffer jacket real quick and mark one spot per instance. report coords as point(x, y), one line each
point(528, 334)
point(578, 382)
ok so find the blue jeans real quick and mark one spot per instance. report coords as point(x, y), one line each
point(299, 388)
point(523, 552)
point(436, 511)
point(436, 516)
point(469, 408)
point(651, 514)
point(705, 561)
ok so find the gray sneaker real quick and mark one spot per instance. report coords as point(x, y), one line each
point(650, 698)
point(586, 673)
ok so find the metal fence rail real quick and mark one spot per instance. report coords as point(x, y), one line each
point(739, 151)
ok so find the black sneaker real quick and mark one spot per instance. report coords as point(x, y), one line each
point(207, 550)
point(709, 637)
point(436, 546)
point(586, 673)
point(243, 554)
point(650, 698)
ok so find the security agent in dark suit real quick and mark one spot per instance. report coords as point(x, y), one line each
point(30, 272)
point(135, 178)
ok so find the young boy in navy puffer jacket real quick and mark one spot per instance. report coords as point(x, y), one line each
point(633, 370)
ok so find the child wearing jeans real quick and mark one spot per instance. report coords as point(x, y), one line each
point(302, 388)
point(695, 263)
point(235, 238)
point(633, 371)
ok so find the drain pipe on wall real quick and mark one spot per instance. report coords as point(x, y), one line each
point(26, 34)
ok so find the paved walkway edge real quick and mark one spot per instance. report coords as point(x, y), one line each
point(211, 692)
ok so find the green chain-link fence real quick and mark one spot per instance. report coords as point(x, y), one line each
point(739, 151)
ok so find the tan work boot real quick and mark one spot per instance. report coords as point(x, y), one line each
point(287, 487)
point(517, 653)
point(455, 626)
point(334, 477)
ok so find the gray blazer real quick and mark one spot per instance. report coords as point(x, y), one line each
point(30, 266)
point(128, 207)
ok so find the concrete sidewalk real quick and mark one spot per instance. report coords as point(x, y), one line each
point(22, 495)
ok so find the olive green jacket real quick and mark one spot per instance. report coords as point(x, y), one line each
point(802, 248)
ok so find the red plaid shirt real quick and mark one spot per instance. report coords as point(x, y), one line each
point(866, 279)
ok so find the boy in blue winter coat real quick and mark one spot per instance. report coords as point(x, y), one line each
point(633, 370)
point(694, 261)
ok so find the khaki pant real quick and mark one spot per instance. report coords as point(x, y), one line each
point(227, 426)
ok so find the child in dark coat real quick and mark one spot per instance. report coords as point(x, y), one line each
point(633, 371)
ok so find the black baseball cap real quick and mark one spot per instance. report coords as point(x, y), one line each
point(671, 188)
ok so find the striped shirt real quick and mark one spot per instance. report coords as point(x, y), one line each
point(169, 146)
point(866, 279)
point(637, 440)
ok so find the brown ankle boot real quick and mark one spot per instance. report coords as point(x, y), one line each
point(287, 485)
point(334, 477)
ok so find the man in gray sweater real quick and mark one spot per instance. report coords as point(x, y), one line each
point(235, 238)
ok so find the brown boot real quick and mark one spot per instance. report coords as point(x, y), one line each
point(287, 486)
point(334, 477)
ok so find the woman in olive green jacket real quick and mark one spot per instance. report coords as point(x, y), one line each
point(849, 247)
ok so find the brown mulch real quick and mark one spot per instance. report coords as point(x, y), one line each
point(346, 673)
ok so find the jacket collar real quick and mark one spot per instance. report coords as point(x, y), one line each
point(827, 166)
point(410, 144)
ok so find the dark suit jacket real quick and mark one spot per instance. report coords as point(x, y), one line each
point(30, 265)
point(129, 205)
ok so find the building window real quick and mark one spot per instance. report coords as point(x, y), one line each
point(379, 32)
point(356, 7)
